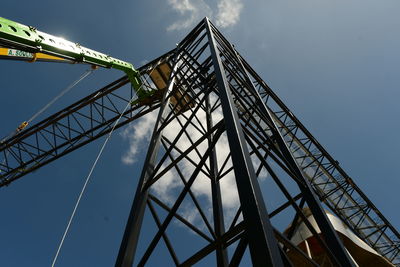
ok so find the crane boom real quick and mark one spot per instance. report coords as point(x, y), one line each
point(19, 40)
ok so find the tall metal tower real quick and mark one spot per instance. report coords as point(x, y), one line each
point(231, 176)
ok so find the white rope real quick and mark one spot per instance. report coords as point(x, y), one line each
point(86, 182)
point(63, 92)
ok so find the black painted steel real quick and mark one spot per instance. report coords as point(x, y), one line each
point(222, 256)
point(73, 127)
point(263, 245)
point(329, 233)
point(132, 230)
point(230, 172)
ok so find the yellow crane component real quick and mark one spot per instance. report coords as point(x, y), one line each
point(22, 126)
point(15, 54)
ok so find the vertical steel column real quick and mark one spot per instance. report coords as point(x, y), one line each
point(130, 239)
point(219, 228)
point(331, 237)
point(263, 245)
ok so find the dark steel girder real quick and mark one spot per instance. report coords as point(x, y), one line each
point(329, 180)
point(76, 125)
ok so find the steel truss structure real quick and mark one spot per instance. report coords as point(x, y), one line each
point(228, 166)
point(74, 126)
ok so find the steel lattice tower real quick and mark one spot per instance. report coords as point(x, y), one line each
point(228, 166)
point(229, 128)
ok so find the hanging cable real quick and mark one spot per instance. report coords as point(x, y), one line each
point(63, 92)
point(87, 181)
point(79, 199)
point(24, 124)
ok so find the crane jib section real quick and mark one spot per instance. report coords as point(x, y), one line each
point(22, 40)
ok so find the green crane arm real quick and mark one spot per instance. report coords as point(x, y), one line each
point(28, 39)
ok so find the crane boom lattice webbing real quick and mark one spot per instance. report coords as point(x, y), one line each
point(74, 126)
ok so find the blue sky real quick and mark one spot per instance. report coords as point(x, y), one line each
point(334, 63)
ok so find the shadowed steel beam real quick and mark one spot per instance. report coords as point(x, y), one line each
point(263, 246)
point(222, 256)
point(343, 191)
point(132, 229)
point(335, 244)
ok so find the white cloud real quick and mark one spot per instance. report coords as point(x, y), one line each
point(170, 184)
point(163, 187)
point(136, 133)
point(202, 186)
point(192, 11)
point(228, 12)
